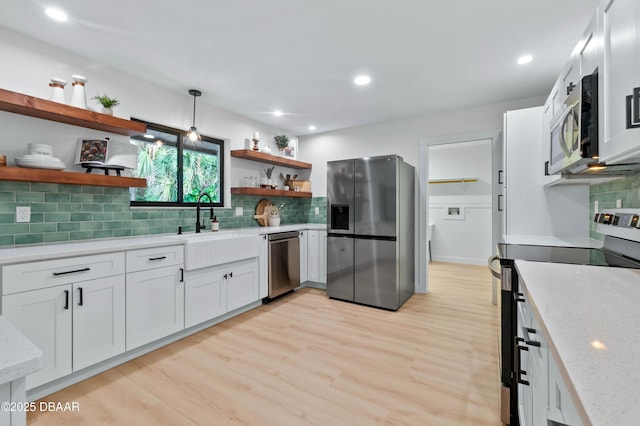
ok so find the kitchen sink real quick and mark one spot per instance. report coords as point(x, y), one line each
point(215, 248)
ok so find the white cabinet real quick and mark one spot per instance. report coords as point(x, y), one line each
point(317, 256)
point(98, 320)
point(205, 295)
point(561, 406)
point(242, 283)
point(155, 294)
point(44, 317)
point(155, 304)
point(620, 88)
point(71, 312)
point(588, 50)
point(303, 256)
point(214, 291)
point(264, 266)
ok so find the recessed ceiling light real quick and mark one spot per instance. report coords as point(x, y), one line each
point(56, 14)
point(524, 59)
point(362, 80)
point(277, 113)
point(312, 127)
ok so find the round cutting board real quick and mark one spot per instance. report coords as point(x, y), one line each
point(263, 210)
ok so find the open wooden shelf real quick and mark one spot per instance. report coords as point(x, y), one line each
point(54, 111)
point(19, 174)
point(270, 192)
point(248, 154)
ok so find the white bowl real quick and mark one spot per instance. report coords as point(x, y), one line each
point(40, 149)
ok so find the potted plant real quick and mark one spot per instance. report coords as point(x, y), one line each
point(107, 103)
point(269, 171)
point(282, 141)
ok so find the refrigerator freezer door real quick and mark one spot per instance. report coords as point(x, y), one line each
point(375, 273)
point(340, 196)
point(340, 267)
point(375, 192)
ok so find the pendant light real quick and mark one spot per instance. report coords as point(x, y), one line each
point(193, 135)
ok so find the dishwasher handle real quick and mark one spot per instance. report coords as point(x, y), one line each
point(284, 236)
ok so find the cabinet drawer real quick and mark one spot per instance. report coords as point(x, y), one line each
point(49, 273)
point(156, 257)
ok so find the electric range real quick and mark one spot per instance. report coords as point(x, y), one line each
point(621, 248)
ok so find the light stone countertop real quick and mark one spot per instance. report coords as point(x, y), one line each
point(32, 253)
point(18, 356)
point(577, 305)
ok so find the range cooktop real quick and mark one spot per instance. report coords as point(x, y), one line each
point(621, 248)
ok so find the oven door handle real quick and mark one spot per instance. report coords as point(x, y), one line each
point(495, 271)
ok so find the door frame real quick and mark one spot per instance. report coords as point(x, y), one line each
point(423, 202)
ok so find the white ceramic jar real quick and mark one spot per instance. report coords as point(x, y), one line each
point(57, 90)
point(78, 96)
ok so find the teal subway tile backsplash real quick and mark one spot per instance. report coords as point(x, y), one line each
point(606, 194)
point(61, 213)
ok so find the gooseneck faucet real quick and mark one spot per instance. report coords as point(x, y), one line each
point(200, 226)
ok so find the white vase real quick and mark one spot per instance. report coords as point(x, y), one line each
point(78, 96)
point(274, 220)
point(107, 111)
point(57, 90)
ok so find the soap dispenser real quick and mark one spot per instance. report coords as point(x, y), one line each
point(214, 224)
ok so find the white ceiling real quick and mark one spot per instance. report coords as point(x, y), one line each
point(300, 56)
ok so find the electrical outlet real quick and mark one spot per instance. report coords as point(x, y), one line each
point(618, 204)
point(596, 206)
point(239, 211)
point(23, 214)
point(317, 210)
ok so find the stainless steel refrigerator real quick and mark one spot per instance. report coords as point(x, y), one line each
point(370, 225)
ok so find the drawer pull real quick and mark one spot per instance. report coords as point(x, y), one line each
point(66, 299)
point(158, 258)
point(81, 298)
point(527, 340)
point(71, 272)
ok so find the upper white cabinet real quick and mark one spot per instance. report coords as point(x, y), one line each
point(620, 109)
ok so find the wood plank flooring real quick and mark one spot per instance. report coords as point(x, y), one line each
point(309, 360)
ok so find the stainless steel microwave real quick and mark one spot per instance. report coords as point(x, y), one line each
point(574, 131)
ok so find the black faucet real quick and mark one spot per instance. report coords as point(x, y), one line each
point(200, 226)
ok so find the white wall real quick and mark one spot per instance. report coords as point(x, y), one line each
point(27, 66)
point(465, 238)
point(401, 137)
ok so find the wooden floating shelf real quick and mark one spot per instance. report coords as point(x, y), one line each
point(67, 114)
point(453, 180)
point(270, 192)
point(19, 174)
point(248, 154)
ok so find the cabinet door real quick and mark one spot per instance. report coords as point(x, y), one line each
point(317, 256)
point(264, 266)
point(155, 305)
point(44, 316)
point(561, 406)
point(242, 284)
point(621, 40)
point(98, 320)
point(205, 295)
point(588, 48)
point(303, 256)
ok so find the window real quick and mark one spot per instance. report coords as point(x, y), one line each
point(177, 170)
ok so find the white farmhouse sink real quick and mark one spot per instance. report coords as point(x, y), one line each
point(212, 248)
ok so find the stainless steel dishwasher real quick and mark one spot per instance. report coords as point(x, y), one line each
point(284, 263)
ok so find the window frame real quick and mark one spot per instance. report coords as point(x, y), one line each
point(180, 146)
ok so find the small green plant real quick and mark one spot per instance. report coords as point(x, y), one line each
point(106, 101)
point(282, 141)
point(269, 171)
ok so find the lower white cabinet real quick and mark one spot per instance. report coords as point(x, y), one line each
point(317, 256)
point(205, 295)
point(561, 407)
point(242, 283)
point(155, 304)
point(75, 325)
point(304, 261)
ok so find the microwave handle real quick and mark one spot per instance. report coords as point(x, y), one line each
point(633, 109)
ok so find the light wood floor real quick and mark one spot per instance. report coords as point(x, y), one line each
point(308, 360)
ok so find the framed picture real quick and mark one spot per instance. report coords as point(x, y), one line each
point(292, 150)
point(454, 213)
